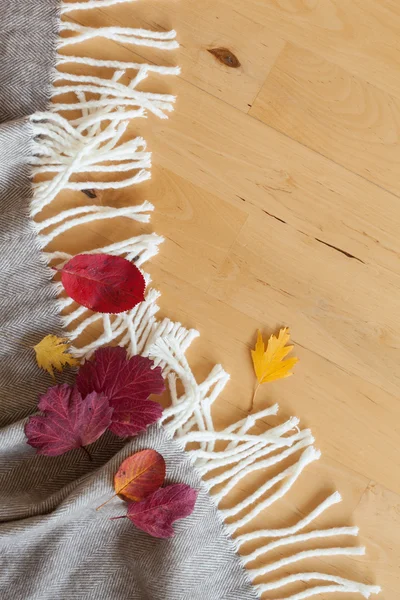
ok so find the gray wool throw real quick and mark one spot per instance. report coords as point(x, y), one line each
point(54, 545)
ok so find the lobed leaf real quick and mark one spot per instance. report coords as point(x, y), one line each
point(156, 514)
point(127, 383)
point(51, 353)
point(69, 421)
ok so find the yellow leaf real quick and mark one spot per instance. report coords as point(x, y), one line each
point(51, 353)
point(269, 364)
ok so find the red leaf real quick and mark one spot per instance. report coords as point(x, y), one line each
point(129, 418)
point(127, 385)
point(69, 420)
point(157, 512)
point(103, 283)
point(140, 475)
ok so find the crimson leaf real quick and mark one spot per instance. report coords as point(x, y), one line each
point(69, 421)
point(157, 512)
point(127, 383)
point(104, 283)
point(129, 418)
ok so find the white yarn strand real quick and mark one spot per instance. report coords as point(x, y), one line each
point(335, 498)
point(292, 474)
point(316, 553)
point(343, 585)
point(63, 59)
point(164, 40)
point(304, 537)
point(67, 7)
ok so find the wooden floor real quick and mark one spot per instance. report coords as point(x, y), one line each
point(276, 183)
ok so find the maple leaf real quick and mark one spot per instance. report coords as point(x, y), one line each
point(51, 353)
point(103, 283)
point(127, 383)
point(139, 476)
point(156, 514)
point(269, 364)
point(69, 421)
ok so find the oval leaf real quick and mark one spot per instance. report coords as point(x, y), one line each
point(140, 475)
point(69, 421)
point(103, 283)
point(156, 513)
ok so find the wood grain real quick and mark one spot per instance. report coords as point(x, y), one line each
point(324, 107)
point(276, 187)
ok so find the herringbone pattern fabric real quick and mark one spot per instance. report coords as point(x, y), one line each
point(70, 550)
point(53, 543)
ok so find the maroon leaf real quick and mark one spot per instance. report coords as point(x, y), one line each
point(69, 420)
point(103, 283)
point(127, 383)
point(131, 417)
point(157, 512)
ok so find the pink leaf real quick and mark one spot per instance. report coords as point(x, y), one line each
point(103, 283)
point(69, 421)
point(127, 383)
point(158, 511)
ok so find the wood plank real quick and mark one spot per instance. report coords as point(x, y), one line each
point(199, 228)
point(353, 324)
point(251, 165)
point(333, 112)
point(378, 515)
point(341, 408)
point(202, 27)
point(361, 36)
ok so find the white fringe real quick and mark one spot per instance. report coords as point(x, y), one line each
point(64, 152)
point(343, 585)
point(164, 40)
point(189, 420)
point(67, 7)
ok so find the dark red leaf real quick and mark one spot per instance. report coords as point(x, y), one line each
point(131, 417)
point(127, 383)
point(103, 283)
point(69, 420)
point(157, 512)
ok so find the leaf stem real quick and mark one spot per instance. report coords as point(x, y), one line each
point(115, 518)
point(86, 451)
point(254, 396)
point(106, 502)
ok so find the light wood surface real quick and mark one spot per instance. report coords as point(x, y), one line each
point(277, 186)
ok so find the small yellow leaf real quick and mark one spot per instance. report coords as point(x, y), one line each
point(269, 364)
point(51, 353)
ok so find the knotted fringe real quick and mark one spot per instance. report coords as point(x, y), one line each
point(89, 144)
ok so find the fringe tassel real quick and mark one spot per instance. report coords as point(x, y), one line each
point(189, 420)
point(67, 7)
point(164, 40)
point(91, 144)
point(64, 149)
